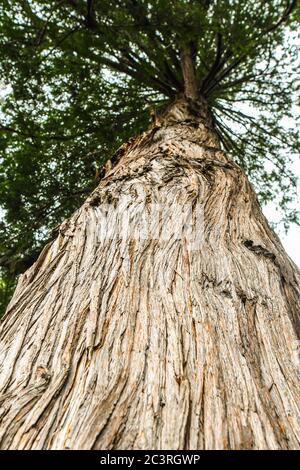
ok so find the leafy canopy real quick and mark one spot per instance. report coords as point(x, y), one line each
point(79, 77)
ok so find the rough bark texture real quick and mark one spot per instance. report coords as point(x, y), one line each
point(147, 343)
point(188, 72)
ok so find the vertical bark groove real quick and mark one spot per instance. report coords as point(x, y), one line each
point(151, 343)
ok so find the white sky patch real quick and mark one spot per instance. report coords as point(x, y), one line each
point(291, 240)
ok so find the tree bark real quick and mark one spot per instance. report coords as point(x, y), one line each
point(157, 342)
point(189, 73)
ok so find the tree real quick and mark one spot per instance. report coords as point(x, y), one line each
point(184, 338)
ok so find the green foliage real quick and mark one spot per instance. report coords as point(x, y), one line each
point(79, 76)
point(7, 285)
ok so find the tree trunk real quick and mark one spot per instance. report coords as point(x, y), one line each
point(139, 338)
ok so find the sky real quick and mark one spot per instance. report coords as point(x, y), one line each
point(291, 243)
point(291, 240)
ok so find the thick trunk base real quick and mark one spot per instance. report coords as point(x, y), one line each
point(157, 342)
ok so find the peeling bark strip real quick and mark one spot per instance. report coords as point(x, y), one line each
point(148, 344)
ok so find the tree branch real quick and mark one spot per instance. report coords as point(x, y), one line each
point(188, 71)
point(215, 67)
point(288, 10)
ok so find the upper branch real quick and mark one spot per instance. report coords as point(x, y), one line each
point(188, 71)
point(217, 73)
